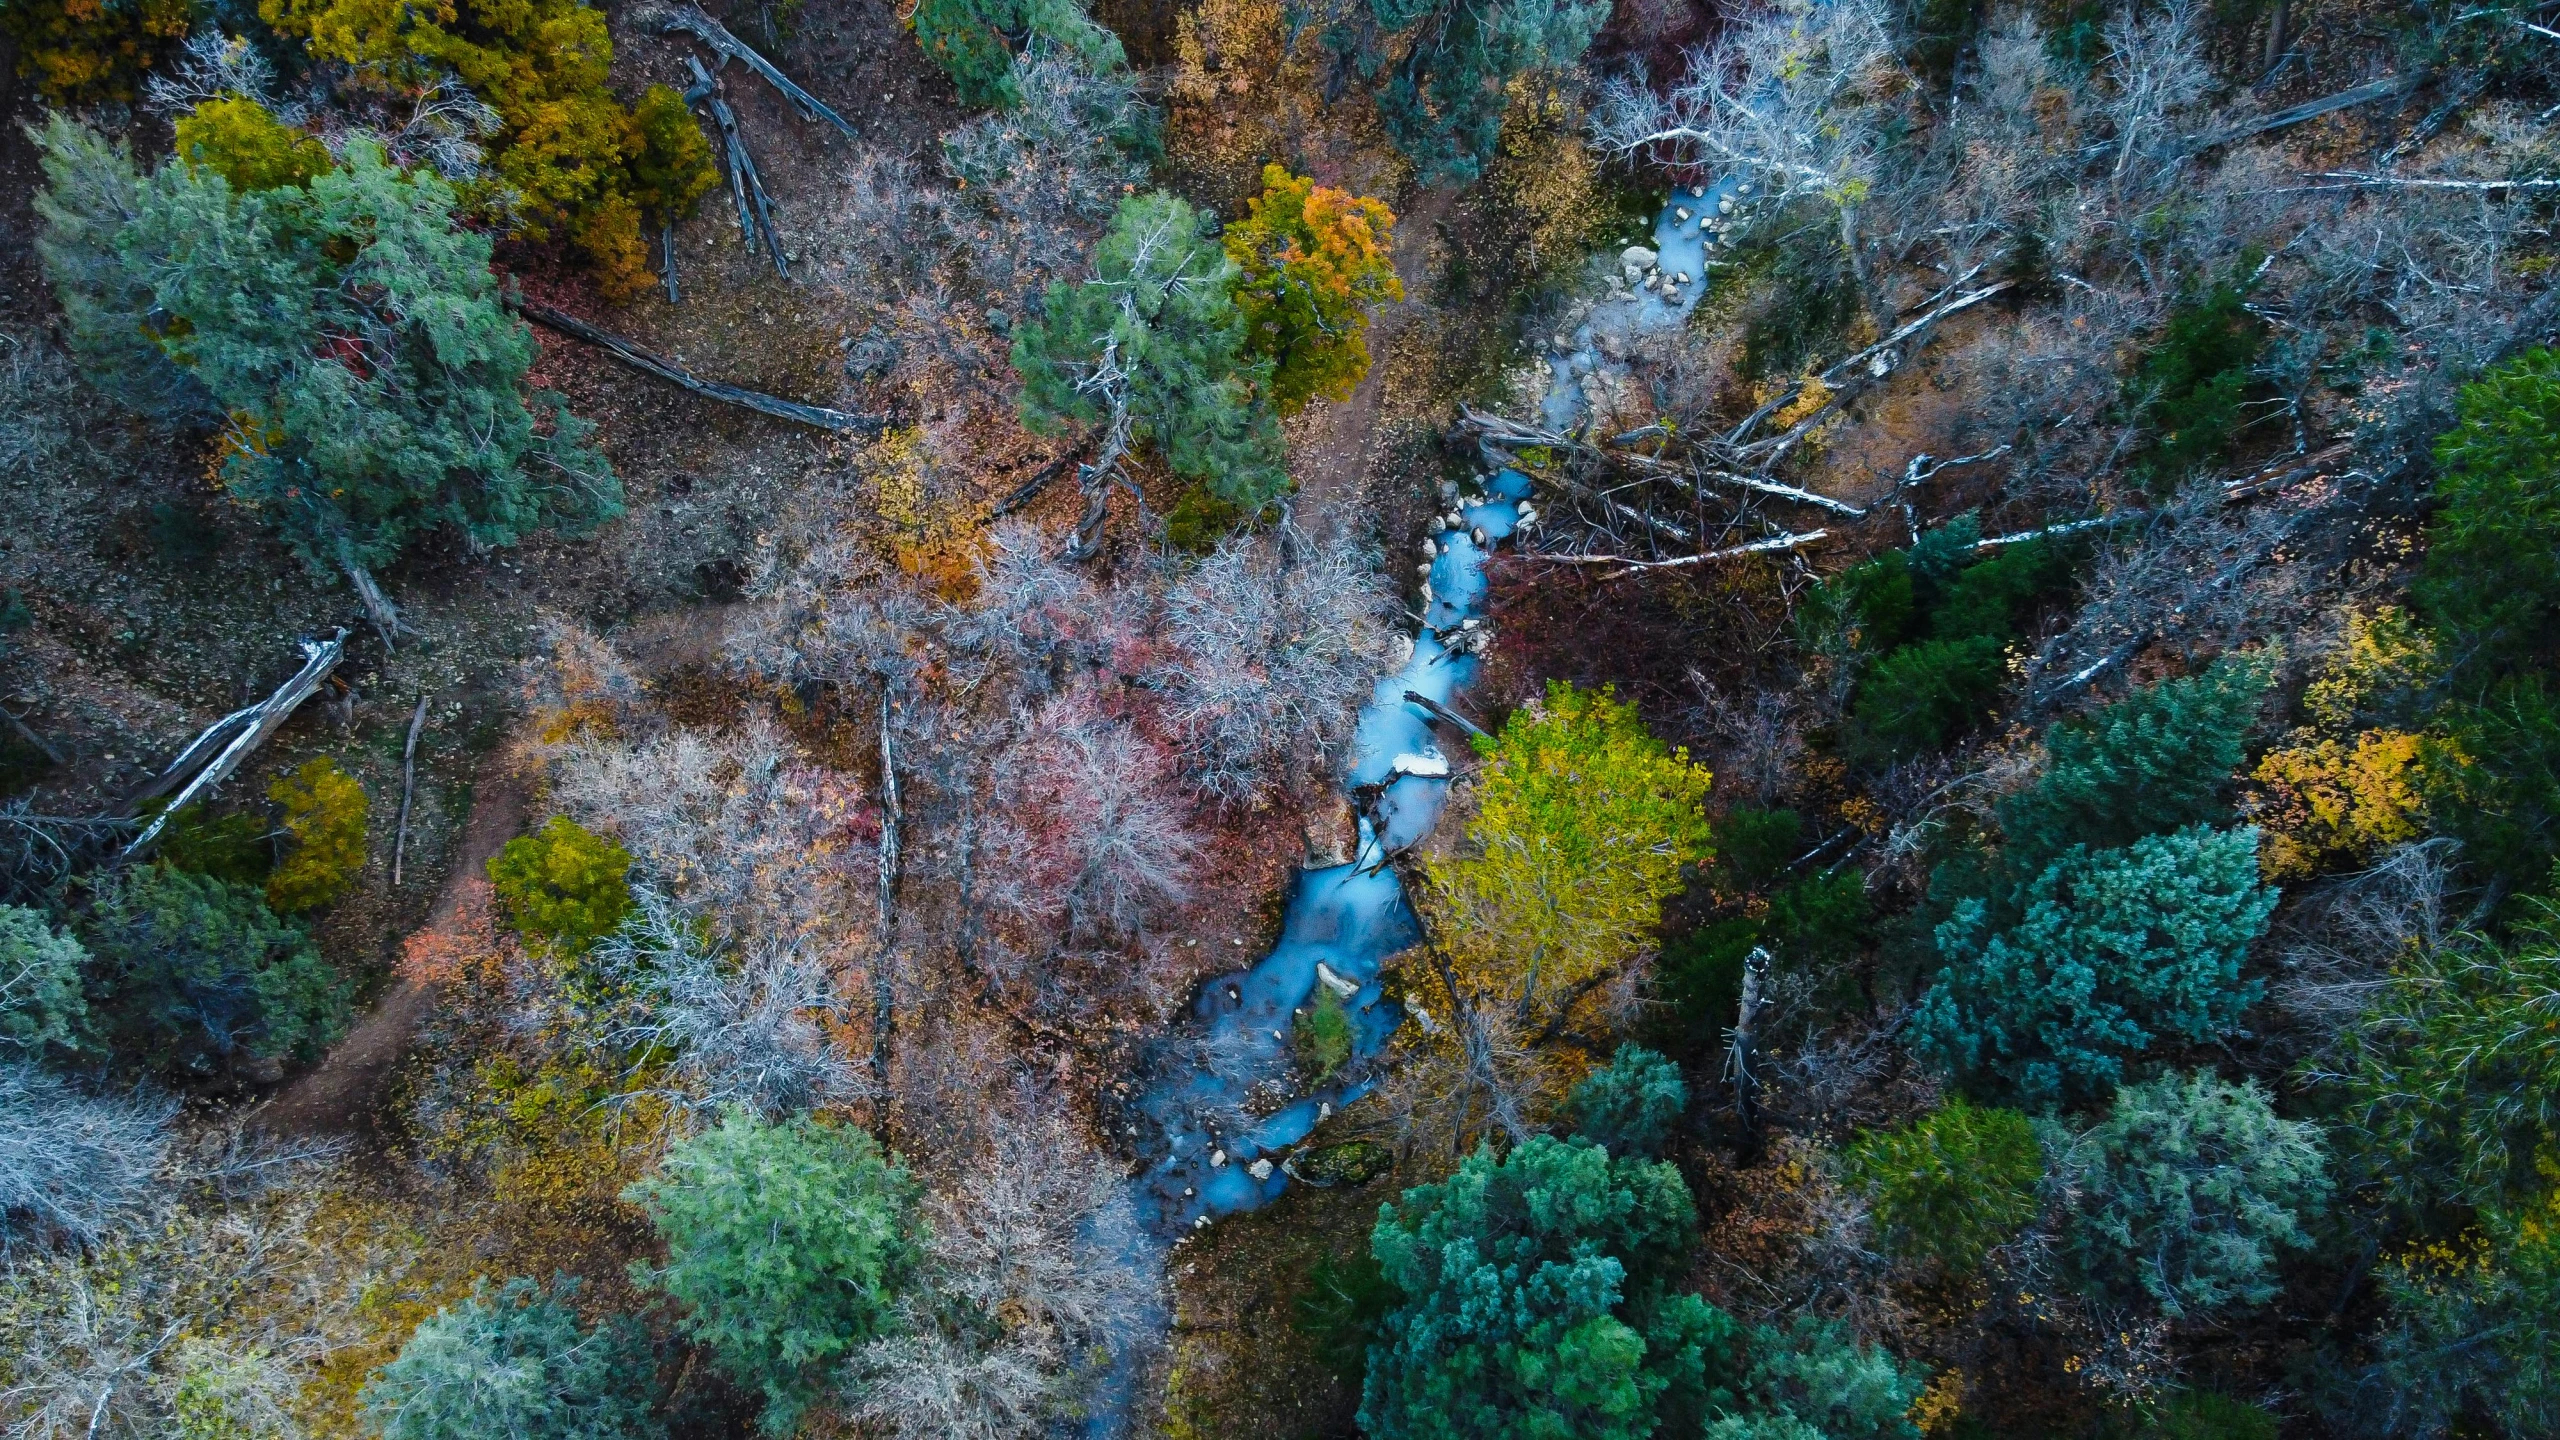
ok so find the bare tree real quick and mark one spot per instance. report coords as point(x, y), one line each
point(1089, 817)
point(1276, 640)
point(71, 1162)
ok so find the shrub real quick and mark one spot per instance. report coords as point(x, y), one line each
point(1995, 595)
point(1754, 847)
point(324, 817)
point(2492, 780)
point(2491, 584)
point(1950, 1187)
point(1533, 1302)
point(2452, 1076)
point(1310, 262)
point(2155, 761)
point(2323, 803)
point(78, 51)
point(195, 973)
point(351, 450)
point(1323, 1034)
point(1630, 1106)
point(1868, 609)
point(974, 42)
point(515, 1363)
point(237, 847)
point(42, 1008)
point(572, 162)
point(2112, 950)
point(68, 1161)
point(1815, 1379)
point(1161, 304)
point(248, 147)
point(2187, 1191)
point(788, 1244)
point(563, 885)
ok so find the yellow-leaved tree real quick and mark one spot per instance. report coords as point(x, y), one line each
point(1310, 261)
point(1583, 822)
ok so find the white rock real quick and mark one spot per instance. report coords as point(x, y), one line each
point(1638, 256)
point(1681, 214)
point(1430, 764)
point(1697, 192)
point(1324, 1110)
point(1259, 1169)
point(1724, 207)
point(1326, 977)
point(1217, 1158)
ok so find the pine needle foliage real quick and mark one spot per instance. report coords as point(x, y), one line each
point(1951, 1186)
point(513, 1362)
point(348, 328)
point(2158, 760)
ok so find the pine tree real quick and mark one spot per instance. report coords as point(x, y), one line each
point(1630, 1106)
point(2112, 950)
point(2160, 759)
point(974, 41)
point(1445, 102)
point(195, 973)
point(348, 328)
point(1152, 348)
point(514, 1362)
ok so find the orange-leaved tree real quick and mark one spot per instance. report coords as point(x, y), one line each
point(1311, 260)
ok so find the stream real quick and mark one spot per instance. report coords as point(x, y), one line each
point(1211, 1155)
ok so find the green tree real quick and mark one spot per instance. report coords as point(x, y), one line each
point(2452, 1076)
point(1584, 822)
point(42, 1006)
point(2491, 773)
point(563, 885)
point(2491, 585)
point(1630, 1106)
point(514, 1364)
point(974, 41)
point(2188, 1189)
point(1534, 1303)
point(1951, 1186)
point(2111, 951)
point(2160, 759)
point(2188, 389)
point(1445, 100)
point(1813, 1379)
point(788, 1244)
point(195, 973)
point(2466, 1346)
point(1152, 348)
point(1322, 1036)
point(349, 329)
point(324, 819)
point(1921, 696)
point(1311, 262)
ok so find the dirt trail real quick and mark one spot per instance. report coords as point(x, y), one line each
point(340, 1095)
point(1333, 440)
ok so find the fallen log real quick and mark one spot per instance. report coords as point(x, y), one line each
point(651, 363)
point(689, 20)
point(408, 788)
point(1443, 713)
point(1029, 490)
point(1633, 566)
point(252, 727)
point(746, 187)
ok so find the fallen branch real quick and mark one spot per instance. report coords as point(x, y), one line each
point(408, 788)
point(378, 609)
point(319, 657)
point(1440, 712)
point(1840, 379)
point(42, 746)
point(884, 995)
point(2067, 527)
point(1029, 490)
point(746, 187)
point(2364, 94)
point(2360, 180)
point(648, 362)
point(1793, 541)
point(689, 20)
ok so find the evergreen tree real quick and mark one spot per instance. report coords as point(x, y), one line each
point(1534, 1303)
point(1629, 1106)
point(1445, 101)
point(42, 1007)
point(2186, 1191)
point(2158, 760)
point(1952, 1185)
point(1152, 347)
point(194, 973)
point(2111, 951)
point(975, 42)
point(788, 1244)
point(514, 1364)
point(2492, 580)
point(348, 328)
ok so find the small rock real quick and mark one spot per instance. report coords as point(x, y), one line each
point(1324, 1110)
point(1326, 977)
point(1259, 1169)
point(1681, 215)
point(1697, 192)
point(1217, 1158)
point(1724, 207)
point(1638, 256)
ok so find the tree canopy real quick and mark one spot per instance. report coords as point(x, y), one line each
point(1310, 263)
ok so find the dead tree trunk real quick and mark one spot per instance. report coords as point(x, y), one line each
point(1742, 1050)
point(649, 362)
point(408, 788)
point(378, 609)
point(689, 20)
point(884, 997)
point(746, 187)
point(248, 730)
